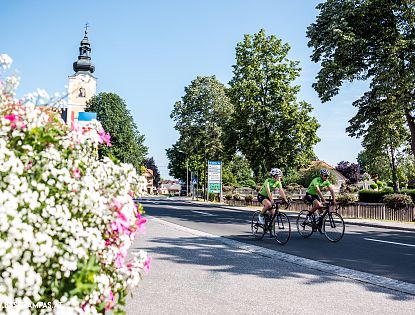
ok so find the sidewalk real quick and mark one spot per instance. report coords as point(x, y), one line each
point(405, 226)
point(197, 273)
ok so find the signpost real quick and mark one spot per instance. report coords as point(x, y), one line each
point(215, 177)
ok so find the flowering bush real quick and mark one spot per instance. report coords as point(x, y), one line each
point(397, 201)
point(67, 218)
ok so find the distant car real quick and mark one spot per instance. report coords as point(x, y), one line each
point(183, 192)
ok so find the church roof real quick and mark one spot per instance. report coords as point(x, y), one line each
point(84, 64)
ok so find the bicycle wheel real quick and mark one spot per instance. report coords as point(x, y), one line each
point(304, 226)
point(333, 226)
point(282, 228)
point(257, 228)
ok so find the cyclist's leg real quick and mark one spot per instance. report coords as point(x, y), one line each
point(316, 205)
point(267, 205)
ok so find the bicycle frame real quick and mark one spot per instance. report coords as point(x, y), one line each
point(268, 227)
point(326, 211)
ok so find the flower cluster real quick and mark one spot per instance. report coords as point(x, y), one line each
point(67, 218)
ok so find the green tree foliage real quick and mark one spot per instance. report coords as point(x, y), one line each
point(374, 163)
point(126, 140)
point(368, 39)
point(200, 119)
point(237, 172)
point(150, 164)
point(269, 126)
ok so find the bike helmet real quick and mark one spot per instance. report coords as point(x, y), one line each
point(324, 172)
point(275, 172)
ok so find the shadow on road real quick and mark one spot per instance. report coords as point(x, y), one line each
point(219, 258)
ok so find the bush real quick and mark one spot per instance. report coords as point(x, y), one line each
point(249, 198)
point(379, 183)
point(67, 218)
point(228, 196)
point(397, 201)
point(212, 196)
point(237, 197)
point(388, 190)
point(409, 192)
point(369, 195)
point(374, 186)
point(346, 198)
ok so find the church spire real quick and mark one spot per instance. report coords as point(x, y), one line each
point(84, 64)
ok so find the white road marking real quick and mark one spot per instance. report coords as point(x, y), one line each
point(203, 213)
point(396, 243)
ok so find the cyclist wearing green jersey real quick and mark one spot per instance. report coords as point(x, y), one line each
point(265, 194)
point(314, 194)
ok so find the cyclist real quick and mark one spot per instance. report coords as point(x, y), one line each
point(265, 194)
point(314, 194)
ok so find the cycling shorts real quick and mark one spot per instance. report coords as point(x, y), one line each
point(310, 197)
point(261, 198)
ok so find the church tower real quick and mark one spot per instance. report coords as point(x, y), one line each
point(82, 85)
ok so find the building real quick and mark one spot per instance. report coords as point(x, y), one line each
point(149, 180)
point(169, 187)
point(82, 84)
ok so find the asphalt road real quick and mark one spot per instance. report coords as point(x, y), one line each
point(384, 252)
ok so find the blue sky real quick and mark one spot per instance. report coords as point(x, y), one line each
point(148, 51)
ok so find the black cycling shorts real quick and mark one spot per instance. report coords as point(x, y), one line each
point(261, 198)
point(310, 197)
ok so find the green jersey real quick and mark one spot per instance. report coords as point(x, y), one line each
point(273, 184)
point(317, 182)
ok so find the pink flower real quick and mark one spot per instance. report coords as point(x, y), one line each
point(109, 302)
point(105, 137)
point(11, 117)
point(147, 264)
point(117, 204)
point(76, 173)
point(140, 223)
point(119, 260)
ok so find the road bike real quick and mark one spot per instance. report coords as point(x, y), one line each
point(330, 223)
point(278, 225)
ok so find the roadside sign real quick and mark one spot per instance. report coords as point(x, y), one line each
point(215, 177)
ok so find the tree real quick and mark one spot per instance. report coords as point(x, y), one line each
point(237, 172)
point(368, 39)
point(150, 164)
point(126, 141)
point(200, 119)
point(374, 163)
point(269, 126)
point(349, 170)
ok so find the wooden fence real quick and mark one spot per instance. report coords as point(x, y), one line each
point(376, 211)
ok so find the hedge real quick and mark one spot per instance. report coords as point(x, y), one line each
point(373, 196)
